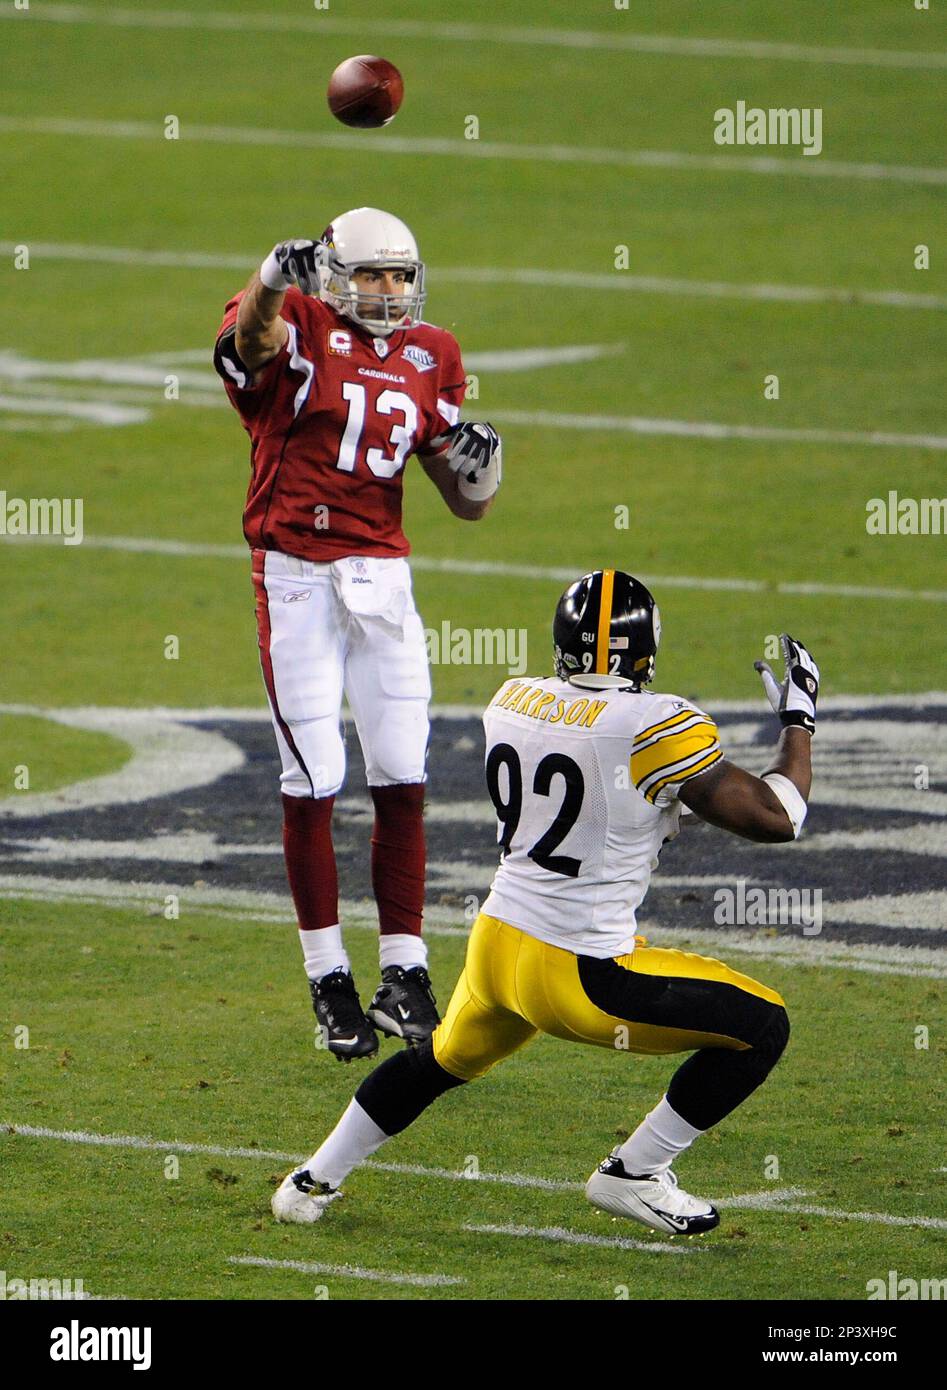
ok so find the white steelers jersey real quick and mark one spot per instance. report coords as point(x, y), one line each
point(585, 784)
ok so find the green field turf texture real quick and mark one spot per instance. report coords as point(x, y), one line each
point(199, 1030)
point(762, 511)
point(124, 1009)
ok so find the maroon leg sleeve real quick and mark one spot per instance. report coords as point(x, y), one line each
point(398, 857)
point(310, 860)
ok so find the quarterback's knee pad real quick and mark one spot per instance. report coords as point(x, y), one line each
point(397, 1091)
point(316, 762)
point(395, 747)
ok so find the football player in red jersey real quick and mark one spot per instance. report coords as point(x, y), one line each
point(338, 381)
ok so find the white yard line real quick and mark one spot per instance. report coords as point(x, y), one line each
point(388, 144)
point(707, 429)
point(878, 1218)
point(377, 1276)
point(613, 281)
point(778, 1200)
point(562, 1236)
point(97, 413)
point(556, 574)
point(276, 909)
point(588, 40)
point(610, 282)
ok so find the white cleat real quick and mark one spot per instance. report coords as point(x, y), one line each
point(300, 1198)
point(655, 1200)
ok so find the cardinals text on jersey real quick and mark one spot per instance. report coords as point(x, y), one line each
point(332, 421)
point(585, 785)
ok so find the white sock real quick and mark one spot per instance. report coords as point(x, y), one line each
point(323, 951)
point(354, 1138)
point(402, 948)
point(657, 1141)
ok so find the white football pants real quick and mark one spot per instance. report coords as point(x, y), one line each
point(313, 646)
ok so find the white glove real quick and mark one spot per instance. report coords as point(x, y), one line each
point(793, 699)
point(476, 456)
point(293, 263)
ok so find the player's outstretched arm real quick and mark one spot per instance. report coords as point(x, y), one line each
point(468, 468)
point(770, 808)
point(261, 332)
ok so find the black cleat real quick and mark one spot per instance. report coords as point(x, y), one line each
point(404, 1005)
point(346, 1031)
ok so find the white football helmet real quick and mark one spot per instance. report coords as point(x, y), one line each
point(368, 237)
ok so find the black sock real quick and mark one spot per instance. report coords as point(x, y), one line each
point(397, 1091)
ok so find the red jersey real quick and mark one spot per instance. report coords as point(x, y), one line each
point(332, 420)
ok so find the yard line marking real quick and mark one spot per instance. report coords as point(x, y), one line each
point(562, 1235)
point(15, 367)
point(477, 149)
point(490, 275)
point(415, 1170)
point(762, 1201)
point(706, 429)
point(103, 413)
point(122, 255)
point(881, 1218)
point(274, 909)
point(378, 1276)
point(747, 1201)
point(705, 289)
point(590, 40)
point(558, 574)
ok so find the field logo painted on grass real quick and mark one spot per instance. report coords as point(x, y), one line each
point(15, 1290)
point(42, 516)
point(906, 516)
point(778, 125)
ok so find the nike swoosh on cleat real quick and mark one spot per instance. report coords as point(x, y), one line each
point(678, 1222)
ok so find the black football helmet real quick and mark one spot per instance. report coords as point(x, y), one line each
point(607, 624)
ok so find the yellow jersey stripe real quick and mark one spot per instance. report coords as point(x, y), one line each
point(671, 749)
point(685, 774)
point(665, 724)
point(604, 622)
point(679, 730)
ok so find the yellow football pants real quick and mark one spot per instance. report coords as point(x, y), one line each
point(650, 1001)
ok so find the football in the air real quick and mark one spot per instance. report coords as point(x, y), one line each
point(365, 92)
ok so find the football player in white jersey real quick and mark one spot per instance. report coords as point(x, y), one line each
point(590, 773)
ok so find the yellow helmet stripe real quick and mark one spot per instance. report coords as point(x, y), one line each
point(604, 623)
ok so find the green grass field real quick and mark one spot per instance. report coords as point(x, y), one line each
point(130, 1015)
point(215, 1051)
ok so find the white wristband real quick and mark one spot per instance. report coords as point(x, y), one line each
point(271, 275)
point(488, 480)
point(790, 798)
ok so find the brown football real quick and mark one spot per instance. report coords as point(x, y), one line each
point(365, 91)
